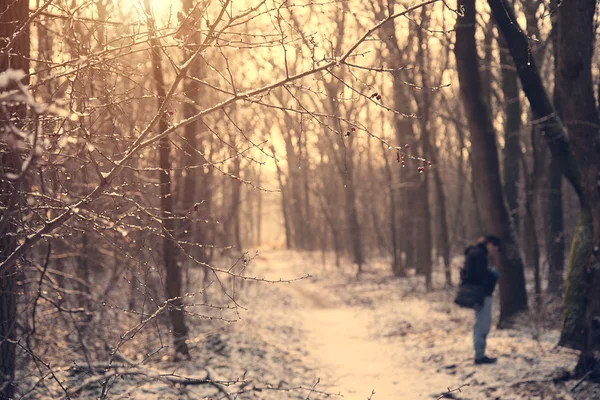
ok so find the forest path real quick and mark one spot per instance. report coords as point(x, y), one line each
point(342, 340)
point(391, 336)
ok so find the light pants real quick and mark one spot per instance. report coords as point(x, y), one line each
point(481, 328)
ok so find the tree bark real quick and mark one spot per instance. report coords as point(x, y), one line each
point(532, 252)
point(487, 77)
point(284, 206)
point(486, 171)
point(404, 131)
point(397, 265)
point(580, 150)
point(424, 246)
point(443, 218)
point(13, 15)
point(382, 245)
point(352, 218)
point(512, 129)
point(555, 236)
point(555, 239)
point(579, 114)
point(170, 249)
point(196, 191)
point(345, 166)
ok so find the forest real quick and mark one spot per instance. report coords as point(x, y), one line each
point(271, 199)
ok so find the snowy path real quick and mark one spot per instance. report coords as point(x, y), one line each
point(349, 358)
point(353, 363)
point(384, 335)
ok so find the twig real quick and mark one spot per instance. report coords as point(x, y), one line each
point(458, 389)
point(581, 380)
point(147, 372)
point(142, 141)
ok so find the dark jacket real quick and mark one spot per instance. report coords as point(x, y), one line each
point(476, 271)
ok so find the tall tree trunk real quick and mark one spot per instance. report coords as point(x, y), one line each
point(352, 220)
point(487, 77)
point(486, 172)
point(462, 182)
point(305, 171)
point(512, 127)
point(404, 195)
point(196, 193)
point(425, 237)
point(578, 111)
point(170, 249)
point(13, 15)
point(532, 251)
point(397, 266)
point(579, 162)
point(284, 206)
point(443, 220)
point(259, 209)
point(555, 237)
point(344, 161)
point(236, 200)
point(382, 245)
point(294, 186)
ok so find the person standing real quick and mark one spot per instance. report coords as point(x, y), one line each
point(477, 272)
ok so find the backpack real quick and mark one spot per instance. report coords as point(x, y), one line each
point(468, 295)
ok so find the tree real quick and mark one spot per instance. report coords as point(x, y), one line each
point(404, 195)
point(578, 155)
point(14, 54)
point(486, 171)
point(555, 236)
point(196, 191)
point(170, 247)
point(424, 257)
point(512, 127)
point(575, 49)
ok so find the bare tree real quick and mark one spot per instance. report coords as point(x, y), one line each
point(486, 172)
point(576, 154)
point(170, 248)
point(14, 55)
point(512, 127)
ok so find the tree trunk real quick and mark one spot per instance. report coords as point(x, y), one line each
point(512, 127)
point(532, 251)
point(574, 81)
point(344, 161)
point(579, 114)
point(259, 209)
point(284, 207)
point(555, 239)
point(397, 265)
point(13, 15)
point(443, 221)
point(462, 183)
point(236, 200)
point(405, 196)
point(425, 237)
point(170, 249)
point(305, 171)
point(352, 218)
point(486, 68)
point(382, 245)
point(486, 172)
point(195, 193)
point(555, 236)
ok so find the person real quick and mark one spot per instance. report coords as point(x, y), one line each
point(478, 272)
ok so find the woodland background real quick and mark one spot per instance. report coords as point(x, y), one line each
point(149, 148)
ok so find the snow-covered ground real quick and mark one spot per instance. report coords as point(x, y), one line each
point(335, 336)
point(388, 336)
